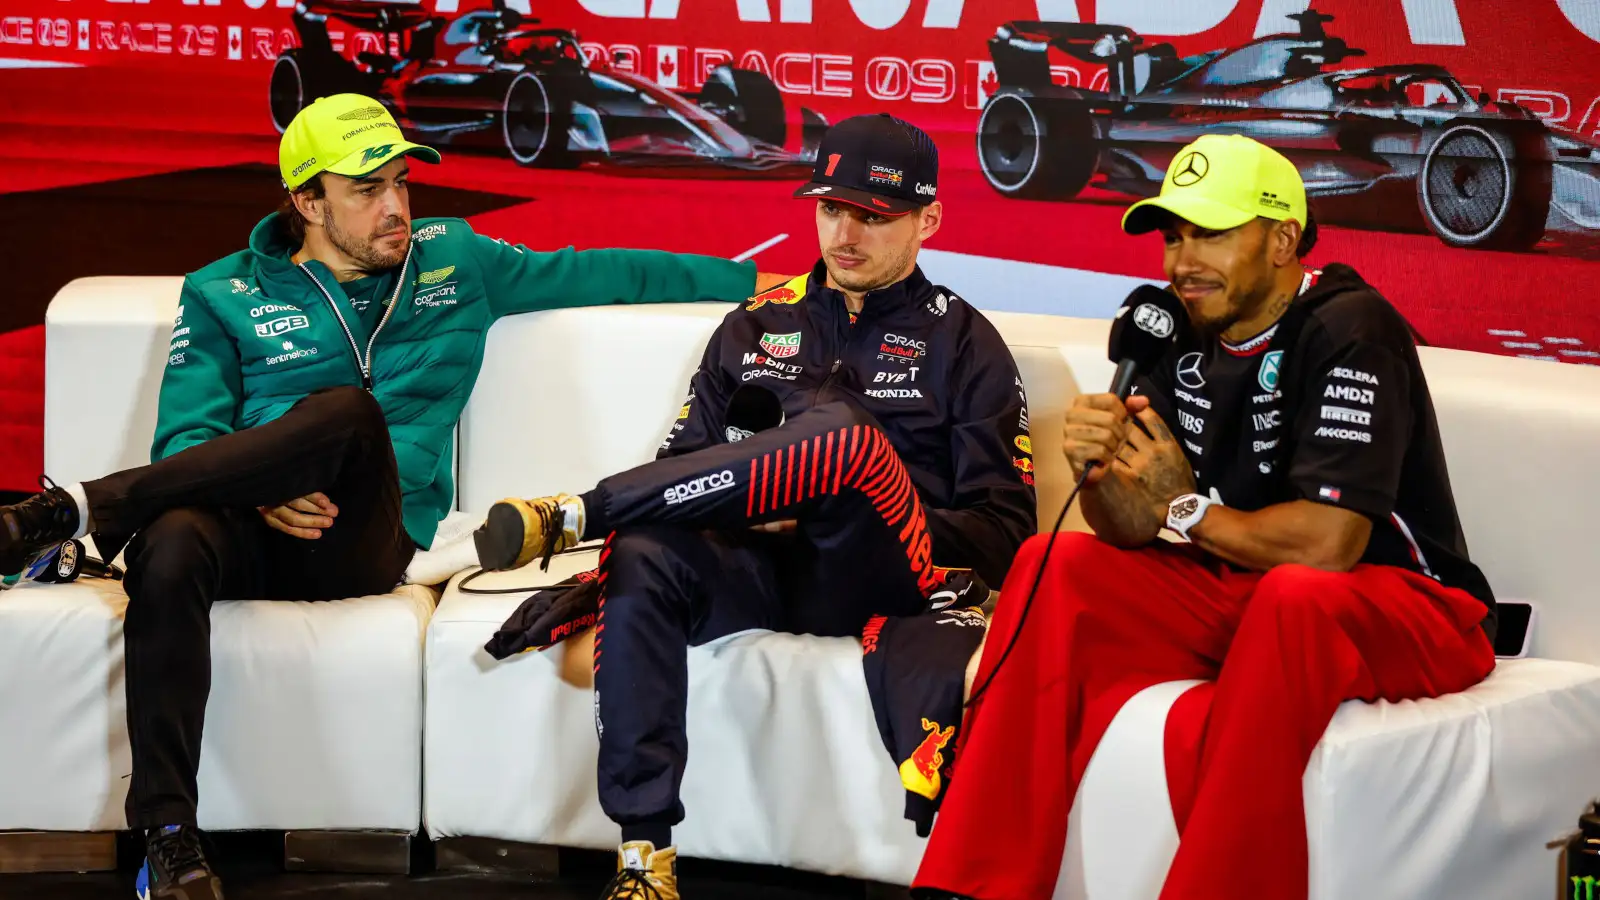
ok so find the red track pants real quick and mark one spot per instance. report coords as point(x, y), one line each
point(1285, 648)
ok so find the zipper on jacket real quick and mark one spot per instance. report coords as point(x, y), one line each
point(363, 363)
point(842, 345)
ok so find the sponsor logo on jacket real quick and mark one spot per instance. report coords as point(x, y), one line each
point(284, 325)
point(786, 294)
point(781, 346)
point(920, 773)
point(698, 487)
point(435, 276)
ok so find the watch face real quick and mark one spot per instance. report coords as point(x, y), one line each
point(1185, 508)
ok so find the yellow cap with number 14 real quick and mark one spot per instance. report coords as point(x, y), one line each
point(346, 134)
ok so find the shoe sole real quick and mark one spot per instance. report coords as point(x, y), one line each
point(501, 538)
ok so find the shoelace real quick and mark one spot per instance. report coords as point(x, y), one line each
point(177, 853)
point(36, 517)
point(554, 520)
point(632, 884)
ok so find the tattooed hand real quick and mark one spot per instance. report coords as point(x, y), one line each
point(1155, 464)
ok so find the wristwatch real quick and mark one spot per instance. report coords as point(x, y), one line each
point(1185, 512)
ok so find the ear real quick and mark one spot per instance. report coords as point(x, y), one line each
point(930, 218)
point(1285, 242)
point(311, 207)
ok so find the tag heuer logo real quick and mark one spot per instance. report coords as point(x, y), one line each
point(365, 112)
point(436, 276)
point(781, 346)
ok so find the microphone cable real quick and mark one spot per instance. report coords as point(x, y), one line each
point(463, 586)
point(1038, 576)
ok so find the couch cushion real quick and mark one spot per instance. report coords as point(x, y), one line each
point(313, 721)
point(785, 766)
point(1453, 797)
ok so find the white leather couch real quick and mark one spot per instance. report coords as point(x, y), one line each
point(1450, 797)
point(314, 729)
point(315, 717)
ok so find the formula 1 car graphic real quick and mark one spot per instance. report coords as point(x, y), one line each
point(487, 78)
point(1400, 146)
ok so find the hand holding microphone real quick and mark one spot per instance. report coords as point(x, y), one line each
point(1098, 426)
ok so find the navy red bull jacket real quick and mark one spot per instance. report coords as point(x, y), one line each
point(931, 370)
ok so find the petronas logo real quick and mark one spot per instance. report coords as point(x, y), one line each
point(436, 276)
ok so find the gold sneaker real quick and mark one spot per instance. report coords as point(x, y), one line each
point(518, 531)
point(644, 873)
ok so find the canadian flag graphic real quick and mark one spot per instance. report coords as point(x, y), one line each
point(983, 83)
point(669, 66)
point(235, 42)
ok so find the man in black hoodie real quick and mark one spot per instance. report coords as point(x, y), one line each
point(1289, 441)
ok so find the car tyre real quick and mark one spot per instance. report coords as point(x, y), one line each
point(748, 101)
point(1036, 149)
point(1486, 189)
point(534, 122)
point(286, 89)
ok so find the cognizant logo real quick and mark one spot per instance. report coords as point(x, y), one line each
point(699, 487)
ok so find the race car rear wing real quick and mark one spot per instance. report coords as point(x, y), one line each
point(1021, 50)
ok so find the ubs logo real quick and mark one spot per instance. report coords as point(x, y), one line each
point(1191, 167)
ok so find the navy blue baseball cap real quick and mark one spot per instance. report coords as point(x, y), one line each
point(876, 162)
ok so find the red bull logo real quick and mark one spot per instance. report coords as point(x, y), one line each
point(920, 773)
point(1023, 464)
point(784, 295)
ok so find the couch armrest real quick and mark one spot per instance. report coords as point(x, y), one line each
point(106, 345)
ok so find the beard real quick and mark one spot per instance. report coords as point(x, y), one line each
point(364, 250)
point(881, 276)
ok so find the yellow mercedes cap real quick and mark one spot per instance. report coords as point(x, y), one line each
point(1222, 181)
point(346, 134)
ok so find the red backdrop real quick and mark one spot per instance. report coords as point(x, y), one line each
point(102, 91)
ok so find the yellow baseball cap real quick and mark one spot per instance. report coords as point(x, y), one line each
point(346, 134)
point(1222, 181)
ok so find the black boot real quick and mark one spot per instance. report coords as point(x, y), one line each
point(37, 523)
point(175, 867)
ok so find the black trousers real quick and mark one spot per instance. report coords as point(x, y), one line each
point(197, 537)
point(682, 567)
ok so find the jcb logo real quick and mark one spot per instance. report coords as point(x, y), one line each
point(282, 326)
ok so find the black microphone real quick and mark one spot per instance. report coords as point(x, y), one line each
point(1145, 328)
point(752, 408)
point(72, 560)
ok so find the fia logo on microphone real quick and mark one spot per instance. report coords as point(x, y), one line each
point(1153, 319)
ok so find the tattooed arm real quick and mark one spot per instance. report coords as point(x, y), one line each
point(1125, 499)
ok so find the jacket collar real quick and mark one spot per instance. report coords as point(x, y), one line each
point(269, 246)
point(913, 290)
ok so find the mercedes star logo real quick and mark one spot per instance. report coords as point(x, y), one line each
point(1189, 372)
point(1191, 167)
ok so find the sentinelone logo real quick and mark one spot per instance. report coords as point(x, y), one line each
point(699, 487)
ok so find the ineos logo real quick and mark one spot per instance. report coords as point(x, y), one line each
point(1191, 167)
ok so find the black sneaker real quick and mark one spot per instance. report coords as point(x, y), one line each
point(175, 867)
point(37, 523)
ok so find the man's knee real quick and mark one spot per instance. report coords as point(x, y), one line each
point(647, 555)
point(1074, 551)
point(180, 547)
point(1297, 590)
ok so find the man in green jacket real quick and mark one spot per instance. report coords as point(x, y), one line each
point(303, 442)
